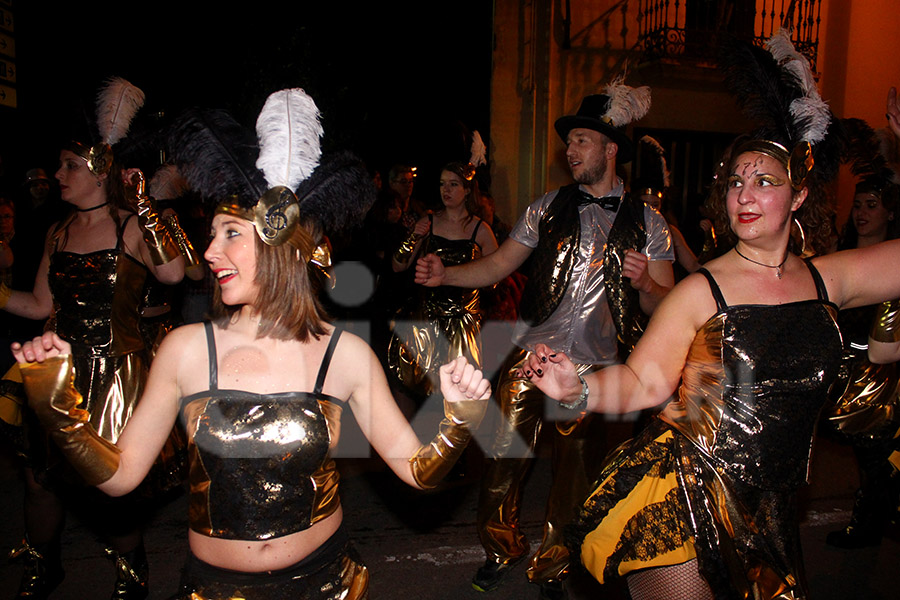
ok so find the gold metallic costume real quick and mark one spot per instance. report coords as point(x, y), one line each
point(96, 300)
point(439, 324)
point(715, 477)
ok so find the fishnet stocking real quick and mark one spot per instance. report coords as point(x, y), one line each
point(678, 582)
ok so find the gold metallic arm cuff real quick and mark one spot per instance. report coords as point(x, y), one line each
point(406, 248)
point(173, 227)
point(156, 236)
point(54, 399)
point(432, 462)
point(5, 293)
point(886, 326)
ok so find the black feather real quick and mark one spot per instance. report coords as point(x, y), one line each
point(217, 156)
point(338, 194)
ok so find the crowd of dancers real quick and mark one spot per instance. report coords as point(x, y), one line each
point(733, 358)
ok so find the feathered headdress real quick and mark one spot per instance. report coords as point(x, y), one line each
point(866, 157)
point(654, 173)
point(118, 101)
point(477, 157)
point(277, 179)
point(776, 88)
point(610, 113)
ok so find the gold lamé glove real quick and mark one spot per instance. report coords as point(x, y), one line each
point(886, 326)
point(406, 247)
point(432, 462)
point(162, 248)
point(177, 234)
point(52, 396)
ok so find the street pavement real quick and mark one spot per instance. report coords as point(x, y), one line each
point(423, 545)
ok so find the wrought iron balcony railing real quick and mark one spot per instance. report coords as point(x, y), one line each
point(688, 29)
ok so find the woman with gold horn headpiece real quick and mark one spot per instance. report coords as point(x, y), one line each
point(260, 388)
point(90, 283)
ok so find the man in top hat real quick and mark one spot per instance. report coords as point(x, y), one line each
point(601, 262)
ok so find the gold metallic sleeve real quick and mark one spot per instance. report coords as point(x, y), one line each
point(886, 326)
point(406, 248)
point(432, 462)
point(162, 248)
point(54, 399)
point(173, 227)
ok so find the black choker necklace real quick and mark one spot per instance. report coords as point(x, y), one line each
point(777, 268)
point(91, 208)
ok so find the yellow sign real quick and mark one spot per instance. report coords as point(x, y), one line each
point(7, 21)
point(7, 45)
point(7, 71)
point(7, 96)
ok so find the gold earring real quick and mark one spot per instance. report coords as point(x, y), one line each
point(803, 253)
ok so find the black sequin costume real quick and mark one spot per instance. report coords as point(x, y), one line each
point(97, 298)
point(440, 323)
point(715, 476)
point(260, 469)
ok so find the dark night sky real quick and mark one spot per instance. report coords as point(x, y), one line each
point(392, 84)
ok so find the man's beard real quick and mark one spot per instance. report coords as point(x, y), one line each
point(592, 175)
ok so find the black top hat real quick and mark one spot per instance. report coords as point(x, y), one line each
point(592, 115)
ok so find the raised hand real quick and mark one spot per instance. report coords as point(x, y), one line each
point(460, 380)
point(553, 373)
point(429, 271)
point(893, 111)
point(635, 267)
point(40, 348)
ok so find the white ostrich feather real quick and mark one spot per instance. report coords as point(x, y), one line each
point(809, 110)
point(479, 150)
point(117, 103)
point(627, 104)
point(288, 129)
point(167, 183)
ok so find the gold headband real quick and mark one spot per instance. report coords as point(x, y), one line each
point(798, 162)
point(99, 157)
point(275, 215)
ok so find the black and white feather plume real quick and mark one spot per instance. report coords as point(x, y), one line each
point(659, 167)
point(478, 156)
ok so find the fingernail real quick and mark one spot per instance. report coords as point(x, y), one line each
point(553, 356)
point(540, 372)
point(543, 359)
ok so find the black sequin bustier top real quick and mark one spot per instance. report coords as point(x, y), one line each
point(445, 300)
point(259, 463)
point(755, 381)
point(97, 298)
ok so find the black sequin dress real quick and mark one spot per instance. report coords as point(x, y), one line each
point(438, 324)
point(716, 475)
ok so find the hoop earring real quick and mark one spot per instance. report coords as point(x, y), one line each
point(802, 238)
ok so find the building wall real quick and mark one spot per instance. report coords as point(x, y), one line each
point(536, 80)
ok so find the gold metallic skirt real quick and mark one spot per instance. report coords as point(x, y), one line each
point(869, 408)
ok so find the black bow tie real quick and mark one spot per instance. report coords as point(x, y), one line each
point(607, 202)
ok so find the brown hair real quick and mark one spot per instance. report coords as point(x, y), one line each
point(465, 173)
point(814, 215)
point(289, 286)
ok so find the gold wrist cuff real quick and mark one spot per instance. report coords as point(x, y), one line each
point(406, 247)
point(431, 463)
point(54, 399)
point(156, 236)
point(886, 326)
point(180, 238)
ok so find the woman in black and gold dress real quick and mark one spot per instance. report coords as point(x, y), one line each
point(702, 504)
point(439, 324)
point(90, 284)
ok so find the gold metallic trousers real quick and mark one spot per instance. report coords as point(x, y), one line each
point(523, 410)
